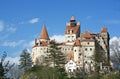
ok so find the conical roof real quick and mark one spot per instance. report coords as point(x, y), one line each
point(44, 33)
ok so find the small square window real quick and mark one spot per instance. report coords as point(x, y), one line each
point(90, 49)
point(79, 54)
point(75, 50)
point(91, 62)
point(88, 43)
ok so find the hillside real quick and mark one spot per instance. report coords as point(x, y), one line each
point(41, 72)
point(47, 73)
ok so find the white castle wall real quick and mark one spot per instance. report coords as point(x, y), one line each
point(38, 52)
point(70, 37)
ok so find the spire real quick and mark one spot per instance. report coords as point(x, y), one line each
point(72, 18)
point(44, 33)
point(35, 41)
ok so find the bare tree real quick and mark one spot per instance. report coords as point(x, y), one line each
point(15, 72)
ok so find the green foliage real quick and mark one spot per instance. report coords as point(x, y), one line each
point(98, 58)
point(111, 76)
point(4, 66)
point(98, 53)
point(25, 60)
point(1, 70)
point(41, 72)
point(55, 55)
point(57, 58)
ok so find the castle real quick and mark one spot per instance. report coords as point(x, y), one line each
point(78, 47)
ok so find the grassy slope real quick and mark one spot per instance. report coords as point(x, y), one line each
point(38, 72)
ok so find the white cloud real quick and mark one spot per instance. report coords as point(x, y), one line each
point(13, 60)
point(29, 44)
point(58, 38)
point(1, 26)
point(34, 20)
point(11, 29)
point(12, 43)
point(114, 39)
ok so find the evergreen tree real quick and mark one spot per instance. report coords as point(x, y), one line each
point(4, 66)
point(1, 70)
point(56, 57)
point(98, 58)
point(25, 60)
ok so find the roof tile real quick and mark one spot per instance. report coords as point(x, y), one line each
point(44, 34)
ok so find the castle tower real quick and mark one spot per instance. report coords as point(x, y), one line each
point(88, 46)
point(106, 38)
point(105, 35)
point(77, 51)
point(41, 47)
point(44, 35)
point(72, 31)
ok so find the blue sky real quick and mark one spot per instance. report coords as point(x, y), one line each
point(21, 20)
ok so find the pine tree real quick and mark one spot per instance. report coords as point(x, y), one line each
point(1, 70)
point(56, 57)
point(98, 58)
point(25, 60)
point(4, 66)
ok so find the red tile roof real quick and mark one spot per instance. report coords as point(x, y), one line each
point(77, 42)
point(44, 34)
point(43, 43)
point(104, 29)
point(87, 34)
point(75, 29)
